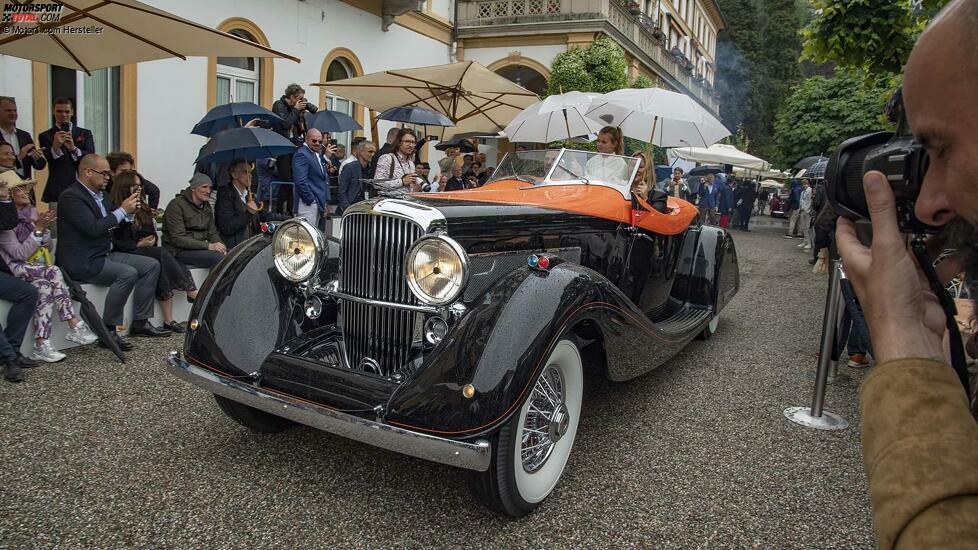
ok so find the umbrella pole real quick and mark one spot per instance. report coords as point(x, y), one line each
point(567, 125)
point(655, 122)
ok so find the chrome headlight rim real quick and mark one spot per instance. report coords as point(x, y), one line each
point(318, 240)
point(409, 269)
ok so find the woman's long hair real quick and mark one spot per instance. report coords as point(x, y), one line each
point(122, 185)
point(646, 159)
point(615, 134)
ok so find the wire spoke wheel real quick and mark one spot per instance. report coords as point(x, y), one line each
point(546, 420)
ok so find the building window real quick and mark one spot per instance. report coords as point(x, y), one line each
point(340, 69)
point(238, 77)
point(96, 102)
point(526, 77)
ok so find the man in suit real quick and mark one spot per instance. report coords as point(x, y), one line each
point(28, 157)
point(351, 188)
point(456, 182)
point(235, 212)
point(63, 146)
point(21, 295)
point(310, 178)
point(709, 201)
point(85, 252)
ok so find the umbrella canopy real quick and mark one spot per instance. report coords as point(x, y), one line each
point(722, 154)
point(658, 116)
point(705, 170)
point(559, 117)
point(807, 162)
point(244, 143)
point(470, 95)
point(464, 145)
point(130, 32)
point(416, 115)
point(89, 313)
point(332, 121)
point(231, 115)
point(772, 183)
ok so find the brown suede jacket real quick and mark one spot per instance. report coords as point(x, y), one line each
point(920, 446)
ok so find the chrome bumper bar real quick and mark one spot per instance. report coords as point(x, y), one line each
point(471, 456)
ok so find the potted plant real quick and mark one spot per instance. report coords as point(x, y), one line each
point(633, 8)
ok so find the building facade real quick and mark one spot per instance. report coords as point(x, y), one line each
point(672, 42)
point(149, 108)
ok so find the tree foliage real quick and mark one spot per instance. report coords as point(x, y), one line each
point(822, 112)
point(600, 67)
point(874, 36)
point(757, 63)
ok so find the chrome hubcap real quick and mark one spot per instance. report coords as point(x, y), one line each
point(547, 420)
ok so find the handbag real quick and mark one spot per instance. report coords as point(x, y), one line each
point(41, 256)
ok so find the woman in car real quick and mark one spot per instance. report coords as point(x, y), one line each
point(606, 168)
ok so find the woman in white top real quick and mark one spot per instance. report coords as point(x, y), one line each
point(608, 169)
point(396, 169)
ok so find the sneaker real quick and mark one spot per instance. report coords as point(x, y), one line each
point(807, 247)
point(858, 361)
point(12, 372)
point(81, 334)
point(802, 244)
point(788, 237)
point(46, 352)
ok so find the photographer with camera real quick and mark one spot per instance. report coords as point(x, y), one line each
point(291, 108)
point(920, 441)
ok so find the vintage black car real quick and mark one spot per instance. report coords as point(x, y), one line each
point(452, 326)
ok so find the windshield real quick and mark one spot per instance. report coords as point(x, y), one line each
point(567, 166)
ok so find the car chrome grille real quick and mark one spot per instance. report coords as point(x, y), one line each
point(377, 339)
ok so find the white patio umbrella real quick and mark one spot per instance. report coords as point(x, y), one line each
point(473, 97)
point(124, 31)
point(559, 117)
point(721, 153)
point(658, 116)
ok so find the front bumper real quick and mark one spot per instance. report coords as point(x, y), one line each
point(471, 456)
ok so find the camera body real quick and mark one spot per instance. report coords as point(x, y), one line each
point(897, 155)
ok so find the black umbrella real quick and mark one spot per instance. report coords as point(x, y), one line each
point(416, 115)
point(464, 145)
point(232, 115)
point(705, 170)
point(807, 162)
point(244, 143)
point(91, 316)
point(332, 121)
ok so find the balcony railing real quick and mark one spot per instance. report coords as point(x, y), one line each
point(489, 16)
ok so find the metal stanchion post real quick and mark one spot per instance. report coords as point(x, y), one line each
point(815, 416)
point(835, 377)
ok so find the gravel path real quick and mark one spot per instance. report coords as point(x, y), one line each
point(695, 454)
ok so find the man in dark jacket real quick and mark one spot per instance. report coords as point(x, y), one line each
point(21, 295)
point(235, 212)
point(189, 232)
point(85, 253)
point(745, 204)
point(291, 108)
point(63, 146)
point(351, 188)
point(27, 157)
point(456, 182)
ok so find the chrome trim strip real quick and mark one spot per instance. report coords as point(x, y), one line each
point(369, 302)
point(471, 456)
point(425, 216)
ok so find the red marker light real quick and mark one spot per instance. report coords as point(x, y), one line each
point(543, 262)
point(264, 227)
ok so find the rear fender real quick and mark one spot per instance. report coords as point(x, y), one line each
point(708, 274)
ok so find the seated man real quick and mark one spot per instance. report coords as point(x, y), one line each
point(189, 231)
point(235, 212)
point(84, 252)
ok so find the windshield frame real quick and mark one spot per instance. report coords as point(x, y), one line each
point(624, 189)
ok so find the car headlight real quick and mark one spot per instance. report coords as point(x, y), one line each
point(437, 269)
point(298, 249)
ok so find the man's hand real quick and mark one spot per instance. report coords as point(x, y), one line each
point(408, 180)
point(58, 139)
point(69, 142)
point(25, 150)
point(904, 317)
point(130, 204)
point(217, 247)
